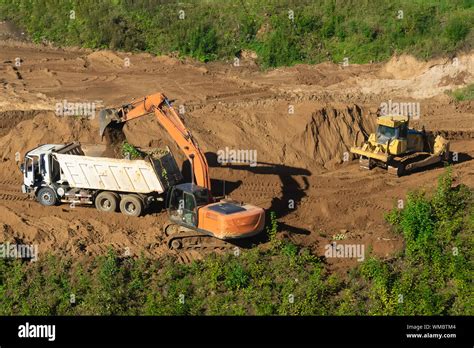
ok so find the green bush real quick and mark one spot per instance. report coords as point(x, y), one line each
point(432, 277)
point(435, 270)
point(131, 151)
point(466, 93)
point(236, 277)
point(457, 29)
point(318, 30)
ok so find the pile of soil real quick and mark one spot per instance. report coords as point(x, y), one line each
point(44, 128)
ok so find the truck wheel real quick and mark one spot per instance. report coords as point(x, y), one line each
point(107, 202)
point(131, 205)
point(47, 196)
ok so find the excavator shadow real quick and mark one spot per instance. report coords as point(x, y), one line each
point(292, 192)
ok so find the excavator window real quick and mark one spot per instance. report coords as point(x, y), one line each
point(190, 211)
point(189, 202)
point(202, 196)
point(176, 203)
point(183, 207)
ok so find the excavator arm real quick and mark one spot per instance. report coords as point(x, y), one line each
point(168, 118)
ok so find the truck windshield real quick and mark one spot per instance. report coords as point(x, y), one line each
point(384, 134)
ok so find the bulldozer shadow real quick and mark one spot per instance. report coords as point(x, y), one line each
point(456, 158)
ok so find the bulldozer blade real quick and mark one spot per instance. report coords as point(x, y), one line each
point(106, 117)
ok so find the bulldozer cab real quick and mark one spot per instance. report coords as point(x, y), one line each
point(390, 128)
point(183, 202)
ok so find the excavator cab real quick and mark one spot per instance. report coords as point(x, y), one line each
point(191, 206)
point(183, 203)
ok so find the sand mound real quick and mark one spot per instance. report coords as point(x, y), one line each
point(330, 133)
point(404, 67)
point(324, 74)
point(321, 137)
point(9, 119)
point(408, 76)
point(51, 232)
point(104, 60)
point(44, 128)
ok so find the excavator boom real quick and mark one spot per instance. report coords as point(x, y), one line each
point(168, 118)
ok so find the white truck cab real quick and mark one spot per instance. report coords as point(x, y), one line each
point(37, 166)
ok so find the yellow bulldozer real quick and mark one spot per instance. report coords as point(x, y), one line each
point(399, 149)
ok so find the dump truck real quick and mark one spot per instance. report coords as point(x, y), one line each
point(400, 149)
point(54, 173)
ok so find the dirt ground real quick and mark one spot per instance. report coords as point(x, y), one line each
point(301, 121)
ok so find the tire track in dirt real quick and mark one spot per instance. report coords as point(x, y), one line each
point(10, 191)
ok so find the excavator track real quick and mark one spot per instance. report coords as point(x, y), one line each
point(180, 238)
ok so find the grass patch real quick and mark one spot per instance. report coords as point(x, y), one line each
point(432, 276)
point(463, 94)
point(281, 34)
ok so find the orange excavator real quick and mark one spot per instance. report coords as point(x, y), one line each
point(193, 212)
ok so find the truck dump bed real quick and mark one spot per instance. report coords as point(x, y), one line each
point(122, 175)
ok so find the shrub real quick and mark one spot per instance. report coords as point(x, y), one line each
point(433, 277)
point(220, 29)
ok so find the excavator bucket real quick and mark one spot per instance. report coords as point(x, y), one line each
point(106, 117)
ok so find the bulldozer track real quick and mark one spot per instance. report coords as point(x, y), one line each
point(455, 135)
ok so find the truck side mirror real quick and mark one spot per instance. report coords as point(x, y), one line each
point(22, 167)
